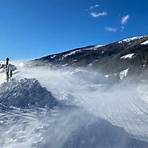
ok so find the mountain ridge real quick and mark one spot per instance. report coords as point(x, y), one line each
point(129, 54)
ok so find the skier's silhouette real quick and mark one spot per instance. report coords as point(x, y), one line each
point(7, 69)
point(7, 61)
point(11, 73)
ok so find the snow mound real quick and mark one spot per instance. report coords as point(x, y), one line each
point(25, 93)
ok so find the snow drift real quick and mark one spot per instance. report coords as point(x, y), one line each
point(25, 93)
point(97, 115)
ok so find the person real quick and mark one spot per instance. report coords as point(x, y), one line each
point(8, 70)
point(11, 73)
point(7, 73)
point(7, 61)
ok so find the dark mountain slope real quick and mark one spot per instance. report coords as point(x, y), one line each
point(129, 54)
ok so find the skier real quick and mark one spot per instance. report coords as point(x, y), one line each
point(7, 61)
point(11, 72)
point(7, 73)
point(7, 69)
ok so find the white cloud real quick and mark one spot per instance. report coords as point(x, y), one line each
point(98, 14)
point(94, 6)
point(111, 29)
point(125, 19)
point(95, 13)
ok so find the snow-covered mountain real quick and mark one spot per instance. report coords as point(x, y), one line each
point(67, 101)
point(128, 56)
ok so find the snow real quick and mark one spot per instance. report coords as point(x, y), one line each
point(21, 64)
point(142, 91)
point(128, 56)
point(2, 77)
point(106, 76)
point(98, 46)
point(117, 115)
point(42, 129)
point(70, 53)
point(91, 64)
point(19, 94)
point(52, 56)
point(123, 73)
point(82, 49)
point(65, 65)
point(130, 39)
point(145, 43)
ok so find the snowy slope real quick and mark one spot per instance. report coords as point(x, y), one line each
point(119, 104)
point(95, 112)
point(115, 115)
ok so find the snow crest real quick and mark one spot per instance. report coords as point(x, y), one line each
point(130, 39)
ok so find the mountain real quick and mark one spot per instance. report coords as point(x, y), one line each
point(75, 107)
point(128, 56)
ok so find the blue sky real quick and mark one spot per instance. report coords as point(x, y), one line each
point(34, 28)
